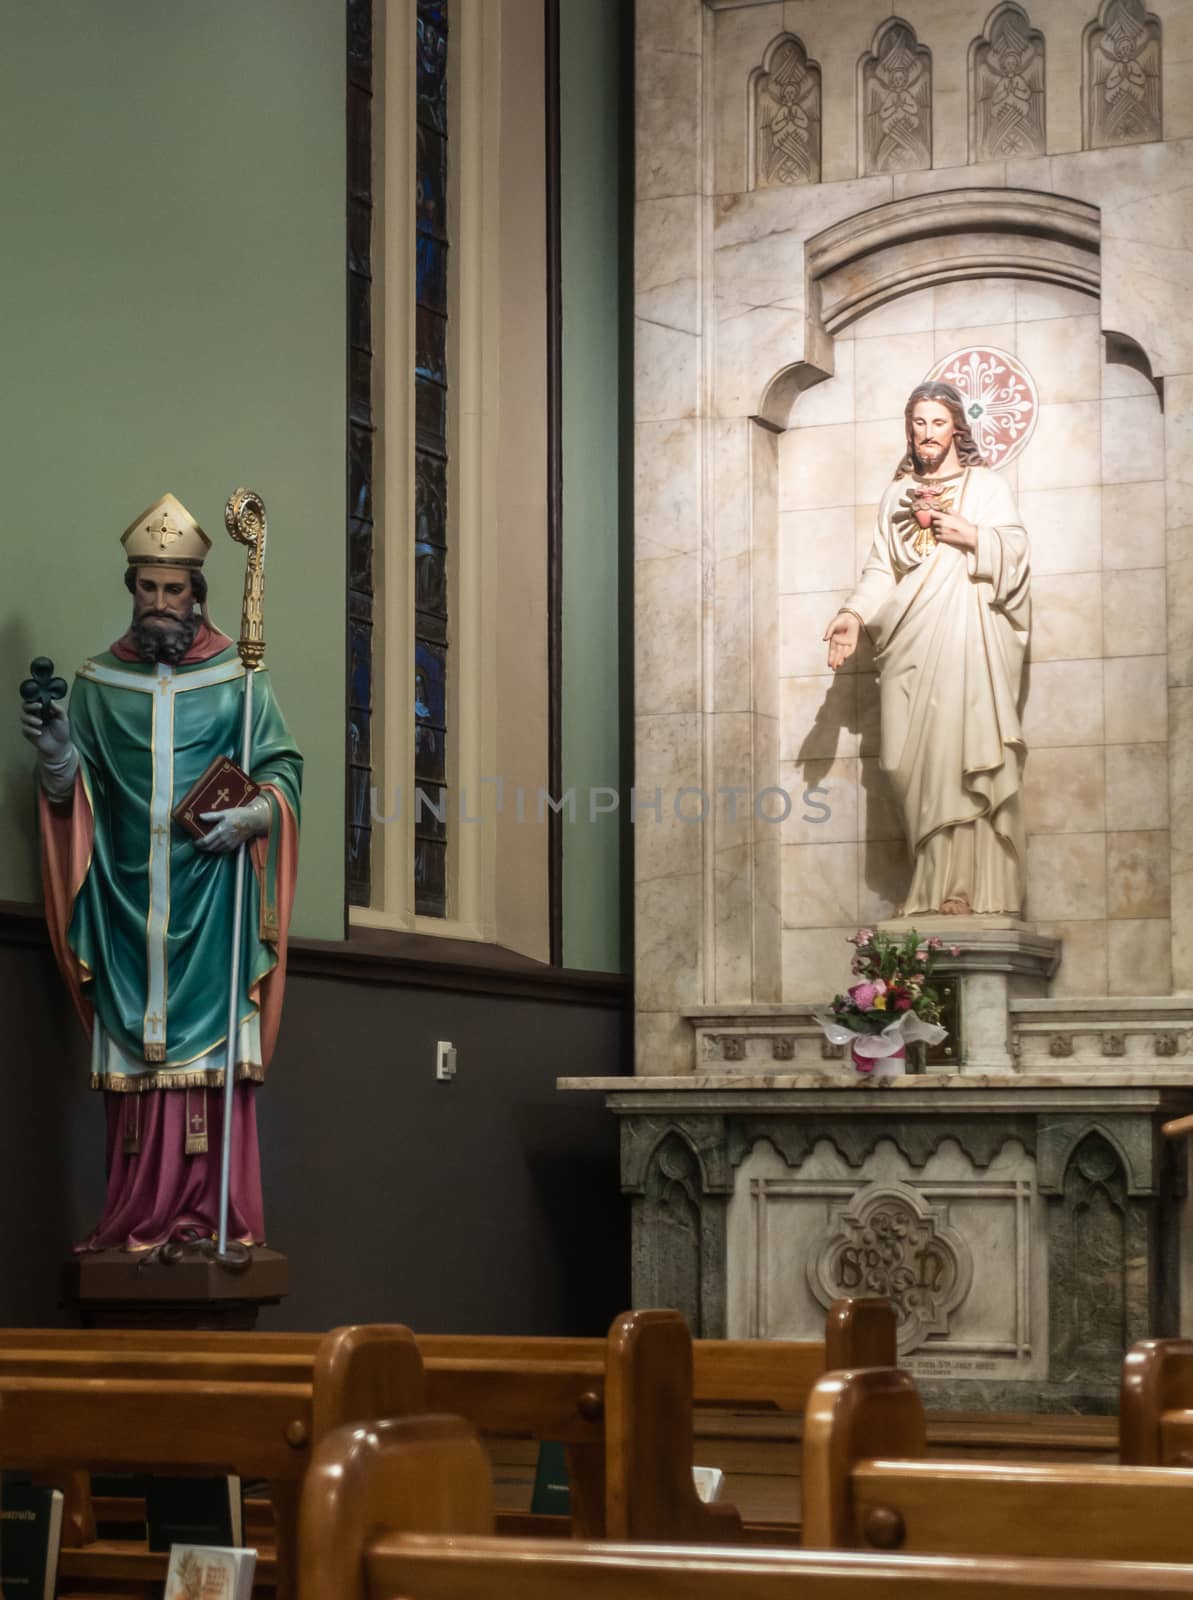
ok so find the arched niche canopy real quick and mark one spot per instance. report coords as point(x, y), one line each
point(868, 260)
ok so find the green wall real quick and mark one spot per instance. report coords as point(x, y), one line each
point(172, 302)
point(595, 854)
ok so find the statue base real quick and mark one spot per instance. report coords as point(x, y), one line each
point(132, 1289)
point(1000, 959)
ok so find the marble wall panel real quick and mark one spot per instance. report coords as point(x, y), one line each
point(1064, 791)
point(883, 876)
point(1066, 616)
point(1064, 705)
point(1064, 354)
point(670, 360)
point(669, 25)
point(884, 374)
point(816, 467)
point(1137, 874)
point(1136, 702)
point(668, 604)
point(878, 815)
point(1066, 877)
point(1134, 615)
point(668, 157)
point(667, 910)
point(824, 801)
point(1139, 957)
point(667, 489)
point(816, 961)
point(1083, 961)
point(1136, 786)
point(668, 758)
point(667, 262)
point(1133, 525)
point(819, 717)
point(1132, 440)
point(1065, 528)
point(1064, 451)
point(820, 885)
point(816, 550)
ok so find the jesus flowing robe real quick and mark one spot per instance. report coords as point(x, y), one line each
point(950, 631)
point(141, 923)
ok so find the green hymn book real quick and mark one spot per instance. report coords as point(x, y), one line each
point(30, 1534)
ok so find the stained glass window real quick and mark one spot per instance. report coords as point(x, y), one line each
point(360, 450)
point(431, 664)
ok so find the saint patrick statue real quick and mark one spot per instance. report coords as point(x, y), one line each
point(944, 599)
point(140, 911)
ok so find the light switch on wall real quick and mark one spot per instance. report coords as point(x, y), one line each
point(445, 1060)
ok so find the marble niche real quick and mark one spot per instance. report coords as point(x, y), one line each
point(803, 259)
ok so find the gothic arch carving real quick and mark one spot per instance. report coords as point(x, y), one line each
point(1121, 89)
point(895, 102)
point(785, 116)
point(1006, 88)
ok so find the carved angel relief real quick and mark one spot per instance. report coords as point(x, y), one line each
point(1122, 76)
point(1006, 88)
point(786, 116)
point(896, 102)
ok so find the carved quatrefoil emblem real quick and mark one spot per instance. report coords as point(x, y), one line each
point(889, 1240)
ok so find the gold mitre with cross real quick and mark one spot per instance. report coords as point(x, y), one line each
point(165, 536)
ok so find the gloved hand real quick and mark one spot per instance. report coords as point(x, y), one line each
point(56, 752)
point(234, 826)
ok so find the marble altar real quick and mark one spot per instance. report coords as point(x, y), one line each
point(828, 212)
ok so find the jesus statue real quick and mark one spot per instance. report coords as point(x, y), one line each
point(944, 600)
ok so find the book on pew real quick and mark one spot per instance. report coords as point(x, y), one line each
point(552, 1494)
point(709, 1481)
point(30, 1534)
point(206, 1572)
point(193, 1511)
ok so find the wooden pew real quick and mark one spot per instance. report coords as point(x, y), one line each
point(1156, 1404)
point(171, 1415)
point(401, 1510)
point(868, 1486)
point(543, 1389)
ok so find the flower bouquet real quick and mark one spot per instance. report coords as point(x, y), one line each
point(891, 1006)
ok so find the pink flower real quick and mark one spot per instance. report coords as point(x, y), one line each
point(954, 949)
point(862, 995)
point(935, 944)
point(917, 977)
point(903, 1003)
point(880, 986)
point(863, 936)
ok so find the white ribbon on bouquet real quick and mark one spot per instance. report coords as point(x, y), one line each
point(906, 1029)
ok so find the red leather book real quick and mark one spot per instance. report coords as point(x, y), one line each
point(220, 788)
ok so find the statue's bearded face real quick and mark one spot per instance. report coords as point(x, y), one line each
point(164, 623)
point(932, 433)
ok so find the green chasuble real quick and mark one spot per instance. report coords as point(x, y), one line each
point(153, 918)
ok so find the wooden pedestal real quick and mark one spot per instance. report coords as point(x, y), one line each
point(123, 1289)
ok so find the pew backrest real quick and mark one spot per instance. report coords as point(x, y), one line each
point(1156, 1404)
point(866, 1486)
point(427, 1474)
point(418, 1567)
point(650, 1493)
point(402, 1511)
